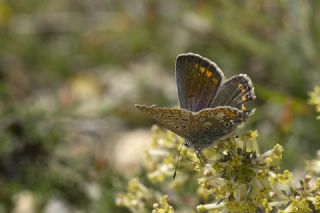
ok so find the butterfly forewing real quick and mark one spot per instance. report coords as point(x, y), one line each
point(198, 80)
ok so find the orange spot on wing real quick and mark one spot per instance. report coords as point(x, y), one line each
point(208, 74)
point(202, 69)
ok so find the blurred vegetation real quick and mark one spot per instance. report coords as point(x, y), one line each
point(70, 72)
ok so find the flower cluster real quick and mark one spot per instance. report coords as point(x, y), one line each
point(304, 198)
point(241, 180)
point(245, 181)
point(237, 178)
point(160, 161)
point(163, 206)
point(138, 198)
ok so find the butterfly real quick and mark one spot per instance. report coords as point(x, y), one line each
point(211, 108)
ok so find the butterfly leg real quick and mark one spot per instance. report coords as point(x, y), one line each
point(186, 144)
point(201, 156)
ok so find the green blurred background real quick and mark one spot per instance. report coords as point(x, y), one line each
point(71, 72)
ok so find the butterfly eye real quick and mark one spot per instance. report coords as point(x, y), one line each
point(227, 124)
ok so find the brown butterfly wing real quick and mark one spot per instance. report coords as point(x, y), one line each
point(174, 119)
point(198, 80)
point(211, 124)
point(237, 92)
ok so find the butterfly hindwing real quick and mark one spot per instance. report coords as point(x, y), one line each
point(211, 124)
point(236, 92)
point(198, 80)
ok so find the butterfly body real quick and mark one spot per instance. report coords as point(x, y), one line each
point(210, 107)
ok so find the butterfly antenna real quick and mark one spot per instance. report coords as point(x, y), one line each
point(177, 162)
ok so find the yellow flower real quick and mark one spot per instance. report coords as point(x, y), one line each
point(316, 202)
point(285, 177)
point(163, 206)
